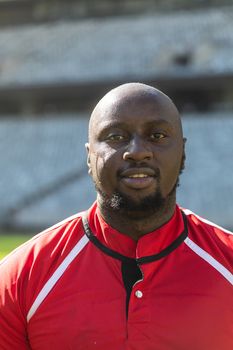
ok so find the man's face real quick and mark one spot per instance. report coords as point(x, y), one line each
point(135, 152)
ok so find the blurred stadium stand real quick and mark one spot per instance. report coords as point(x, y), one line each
point(19, 12)
point(70, 64)
point(53, 72)
point(44, 174)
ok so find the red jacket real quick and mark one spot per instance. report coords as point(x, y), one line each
point(171, 290)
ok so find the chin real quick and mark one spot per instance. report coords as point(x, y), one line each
point(142, 205)
point(123, 203)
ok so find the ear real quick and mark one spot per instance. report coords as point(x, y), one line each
point(184, 143)
point(87, 146)
point(184, 155)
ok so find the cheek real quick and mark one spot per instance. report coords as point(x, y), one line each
point(102, 166)
point(99, 166)
point(96, 165)
point(170, 170)
point(175, 165)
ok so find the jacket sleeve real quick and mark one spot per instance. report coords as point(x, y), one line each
point(13, 334)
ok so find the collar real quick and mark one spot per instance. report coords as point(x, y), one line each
point(152, 246)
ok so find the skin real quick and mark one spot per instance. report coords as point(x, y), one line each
point(136, 147)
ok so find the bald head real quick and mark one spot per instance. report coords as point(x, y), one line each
point(126, 95)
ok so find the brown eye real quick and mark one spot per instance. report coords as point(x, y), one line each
point(115, 137)
point(157, 136)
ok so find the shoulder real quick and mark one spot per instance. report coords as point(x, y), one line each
point(41, 255)
point(28, 267)
point(211, 242)
point(201, 224)
point(49, 240)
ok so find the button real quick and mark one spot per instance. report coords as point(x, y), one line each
point(138, 294)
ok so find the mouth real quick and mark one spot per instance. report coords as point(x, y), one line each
point(138, 178)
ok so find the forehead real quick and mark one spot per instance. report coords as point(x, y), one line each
point(134, 111)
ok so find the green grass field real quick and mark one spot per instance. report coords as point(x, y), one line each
point(8, 242)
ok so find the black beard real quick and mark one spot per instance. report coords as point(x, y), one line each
point(122, 203)
point(155, 203)
point(145, 207)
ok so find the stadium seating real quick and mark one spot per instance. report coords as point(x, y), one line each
point(44, 175)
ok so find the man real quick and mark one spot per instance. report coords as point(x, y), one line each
point(134, 272)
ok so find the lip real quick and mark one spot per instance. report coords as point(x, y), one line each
point(138, 183)
point(135, 171)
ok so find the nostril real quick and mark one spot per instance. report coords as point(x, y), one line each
point(137, 156)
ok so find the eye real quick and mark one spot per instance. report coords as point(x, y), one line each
point(157, 136)
point(115, 137)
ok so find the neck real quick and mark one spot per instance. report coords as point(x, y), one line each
point(137, 224)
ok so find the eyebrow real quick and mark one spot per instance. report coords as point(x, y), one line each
point(106, 126)
point(159, 122)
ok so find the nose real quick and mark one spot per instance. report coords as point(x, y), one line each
point(138, 150)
